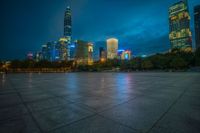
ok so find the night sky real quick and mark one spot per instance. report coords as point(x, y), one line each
point(140, 25)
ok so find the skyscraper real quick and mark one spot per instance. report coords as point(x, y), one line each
point(68, 32)
point(68, 23)
point(63, 49)
point(102, 54)
point(179, 22)
point(197, 25)
point(112, 47)
point(84, 52)
point(126, 55)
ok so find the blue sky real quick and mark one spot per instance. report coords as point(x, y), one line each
point(140, 25)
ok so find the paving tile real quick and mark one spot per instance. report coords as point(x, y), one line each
point(35, 96)
point(183, 117)
point(9, 99)
point(47, 104)
point(12, 111)
point(56, 117)
point(21, 124)
point(100, 102)
point(95, 124)
point(140, 113)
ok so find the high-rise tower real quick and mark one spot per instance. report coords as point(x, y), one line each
point(68, 33)
point(68, 23)
point(179, 22)
point(112, 47)
point(197, 25)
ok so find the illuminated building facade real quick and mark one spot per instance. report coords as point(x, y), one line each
point(68, 23)
point(50, 52)
point(44, 52)
point(126, 55)
point(83, 53)
point(112, 47)
point(179, 22)
point(102, 54)
point(30, 56)
point(197, 25)
point(72, 51)
point(68, 33)
point(38, 56)
point(64, 51)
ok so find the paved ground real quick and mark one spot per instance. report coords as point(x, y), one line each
point(100, 103)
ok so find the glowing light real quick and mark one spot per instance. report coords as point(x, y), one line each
point(126, 56)
point(144, 56)
point(72, 46)
point(120, 50)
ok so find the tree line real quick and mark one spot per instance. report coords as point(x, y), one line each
point(175, 60)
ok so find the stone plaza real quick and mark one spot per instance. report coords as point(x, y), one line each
point(100, 102)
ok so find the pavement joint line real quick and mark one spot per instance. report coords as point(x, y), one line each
point(26, 106)
point(65, 125)
point(124, 125)
point(170, 107)
point(114, 106)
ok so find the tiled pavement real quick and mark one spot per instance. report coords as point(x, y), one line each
point(100, 103)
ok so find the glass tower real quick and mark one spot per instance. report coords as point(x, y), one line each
point(68, 23)
point(68, 32)
point(179, 23)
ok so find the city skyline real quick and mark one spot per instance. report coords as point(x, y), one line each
point(143, 38)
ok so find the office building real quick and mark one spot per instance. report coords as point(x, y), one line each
point(112, 47)
point(30, 56)
point(83, 52)
point(63, 48)
point(179, 22)
point(197, 25)
point(102, 54)
point(126, 55)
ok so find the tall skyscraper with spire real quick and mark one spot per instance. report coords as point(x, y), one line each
point(68, 23)
point(67, 34)
point(179, 23)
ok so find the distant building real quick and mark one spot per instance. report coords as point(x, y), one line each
point(30, 56)
point(44, 52)
point(126, 55)
point(68, 23)
point(102, 54)
point(179, 22)
point(197, 25)
point(119, 53)
point(83, 52)
point(72, 51)
point(112, 47)
point(68, 33)
point(38, 56)
point(64, 50)
point(49, 52)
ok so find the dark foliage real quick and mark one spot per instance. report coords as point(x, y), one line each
point(177, 60)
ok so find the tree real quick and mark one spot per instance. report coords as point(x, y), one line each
point(178, 63)
point(1, 64)
point(197, 57)
point(147, 64)
point(159, 61)
point(16, 64)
